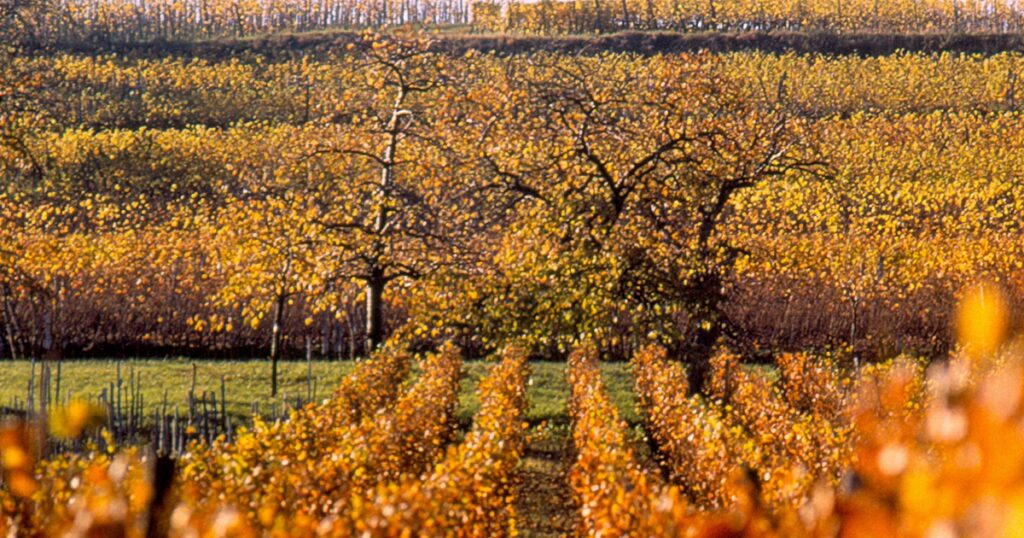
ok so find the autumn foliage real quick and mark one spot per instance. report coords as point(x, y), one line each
point(810, 263)
point(324, 472)
point(760, 462)
point(577, 16)
point(615, 494)
point(121, 21)
point(169, 205)
point(903, 467)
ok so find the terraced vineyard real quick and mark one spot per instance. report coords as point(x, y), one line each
point(451, 268)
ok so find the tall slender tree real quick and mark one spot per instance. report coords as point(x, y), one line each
point(381, 196)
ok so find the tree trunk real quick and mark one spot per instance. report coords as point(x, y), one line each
point(275, 342)
point(699, 366)
point(707, 295)
point(374, 312)
point(708, 329)
point(11, 326)
point(350, 336)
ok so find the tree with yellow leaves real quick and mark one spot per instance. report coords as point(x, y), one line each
point(264, 260)
point(621, 186)
point(381, 186)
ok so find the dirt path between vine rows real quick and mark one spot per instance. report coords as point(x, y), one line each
point(545, 506)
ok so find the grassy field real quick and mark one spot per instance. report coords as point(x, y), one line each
point(247, 382)
point(548, 392)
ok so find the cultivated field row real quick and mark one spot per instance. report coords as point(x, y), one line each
point(814, 449)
